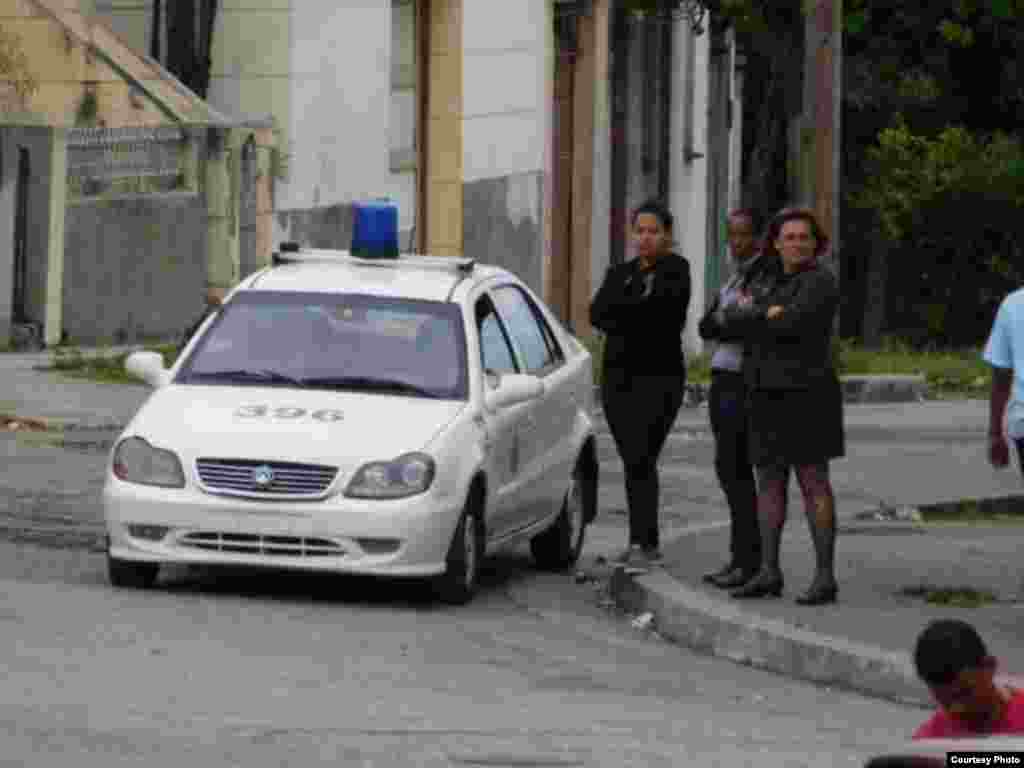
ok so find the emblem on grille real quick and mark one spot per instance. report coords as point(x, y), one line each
point(262, 477)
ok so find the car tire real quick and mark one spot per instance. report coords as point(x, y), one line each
point(559, 547)
point(131, 575)
point(458, 584)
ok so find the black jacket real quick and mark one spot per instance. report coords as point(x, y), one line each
point(644, 323)
point(793, 351)
point(758, 281)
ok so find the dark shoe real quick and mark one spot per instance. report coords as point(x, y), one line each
point(759, 586)
point(721, 573)
point(737, 577)
point(819, 595)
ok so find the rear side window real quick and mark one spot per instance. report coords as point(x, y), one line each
point(495, 353)
point(530, 332)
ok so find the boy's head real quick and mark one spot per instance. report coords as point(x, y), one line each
point(954, 663)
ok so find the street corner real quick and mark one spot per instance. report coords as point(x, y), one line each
point(658, 603)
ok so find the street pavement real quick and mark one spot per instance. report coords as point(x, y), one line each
point(900, 457)
point(540, 670)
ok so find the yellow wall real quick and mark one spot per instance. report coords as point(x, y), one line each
point(444, 177)
point(74, 86)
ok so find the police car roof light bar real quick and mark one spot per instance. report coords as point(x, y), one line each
point(375, 230)
point(291, 253)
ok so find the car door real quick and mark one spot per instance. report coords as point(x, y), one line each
point(504, 428)
point(547, 450)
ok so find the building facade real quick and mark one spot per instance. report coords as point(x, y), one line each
point(519, 133)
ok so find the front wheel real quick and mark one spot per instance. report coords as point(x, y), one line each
point(559, 547)
point(458, 584)
point(131, 575)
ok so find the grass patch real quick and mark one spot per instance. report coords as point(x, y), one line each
point(949, 373)
point(100, 367)
point(1008, 510)
point(953, 597)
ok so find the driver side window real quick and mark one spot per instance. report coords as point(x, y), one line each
point(496, 355)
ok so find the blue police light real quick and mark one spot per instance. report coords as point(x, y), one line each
point(375, 230)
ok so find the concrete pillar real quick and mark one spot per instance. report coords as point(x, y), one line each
point(689, 167)
point(444, 130)
point(591, 73)
point(264, 139)
point(222, 168)
point(54, 287)
point(599, 255)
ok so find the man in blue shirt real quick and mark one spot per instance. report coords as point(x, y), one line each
point(1005, 353)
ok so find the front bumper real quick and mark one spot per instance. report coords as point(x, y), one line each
point(400, 537)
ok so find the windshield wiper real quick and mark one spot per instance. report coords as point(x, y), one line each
point(369, 383)
point(243, 374)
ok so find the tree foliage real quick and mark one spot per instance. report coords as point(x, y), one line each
point(952, 203)
point(933, 97)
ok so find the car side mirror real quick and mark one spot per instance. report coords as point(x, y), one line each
point(148, 366)
point(512, 389)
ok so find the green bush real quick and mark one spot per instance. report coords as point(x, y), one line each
point(100, 367)
point(961, 373)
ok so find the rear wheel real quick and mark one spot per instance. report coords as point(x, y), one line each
point(131, 575)
point(458, 584)
point(559, 547)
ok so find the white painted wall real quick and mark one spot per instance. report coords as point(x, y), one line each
point(340, 103)
point(688, 184)
point(321, 68)
point(600, 224)
point(505, 86)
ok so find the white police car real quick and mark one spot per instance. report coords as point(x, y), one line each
point(398, 416)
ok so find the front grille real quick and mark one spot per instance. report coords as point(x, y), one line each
point(238, 476)
point(255, 544)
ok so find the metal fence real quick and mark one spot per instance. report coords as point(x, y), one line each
point(128, 161)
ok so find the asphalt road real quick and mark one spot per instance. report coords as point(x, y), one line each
point(232, 669)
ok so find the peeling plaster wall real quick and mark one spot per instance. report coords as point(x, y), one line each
point(504, 224)
point(507, 111)
point(134, 268)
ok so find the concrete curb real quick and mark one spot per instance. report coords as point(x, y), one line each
point(884, 389)
point(704, 624)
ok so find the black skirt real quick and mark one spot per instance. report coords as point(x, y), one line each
point(797, 427)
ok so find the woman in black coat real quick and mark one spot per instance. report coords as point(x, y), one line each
point(641, 306)
point(796, 404)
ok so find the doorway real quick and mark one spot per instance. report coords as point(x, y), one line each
point(19, 305)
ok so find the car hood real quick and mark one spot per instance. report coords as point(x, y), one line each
point(342, 428)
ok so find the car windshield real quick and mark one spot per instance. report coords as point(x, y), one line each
point(334, 341)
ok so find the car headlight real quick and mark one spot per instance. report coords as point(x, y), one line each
point(136, 461)
point(405, 476)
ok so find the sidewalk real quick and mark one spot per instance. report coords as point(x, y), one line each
point(898, 456)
